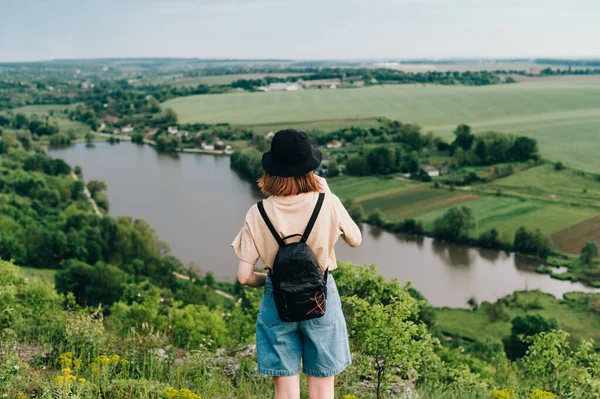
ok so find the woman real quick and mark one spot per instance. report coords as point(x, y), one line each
point(320, 344)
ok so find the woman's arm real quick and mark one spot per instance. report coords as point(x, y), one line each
point(247, 275)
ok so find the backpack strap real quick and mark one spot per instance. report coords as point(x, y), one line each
point(261, 209)
point(313, 218)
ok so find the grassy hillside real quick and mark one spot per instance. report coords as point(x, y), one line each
point(571, 313)
point(562, 115)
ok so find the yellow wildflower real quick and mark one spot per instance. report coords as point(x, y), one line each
point(183, 393)
point(114, 359)
point(77, 364)
point(65, 359)
point(21, 395)
point(104, 360)
point(350, 396)
point(504, 394)
point(124, 362)
point(81, 381)
point(539, 394)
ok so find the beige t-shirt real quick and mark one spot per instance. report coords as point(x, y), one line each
point(290, 215)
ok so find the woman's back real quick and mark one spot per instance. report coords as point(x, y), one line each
point(290, 215)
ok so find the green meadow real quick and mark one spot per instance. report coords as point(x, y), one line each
point(399, 200)
point(562, 115)
point(572, 316)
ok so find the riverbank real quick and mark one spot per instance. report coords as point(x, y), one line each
point(181, 196)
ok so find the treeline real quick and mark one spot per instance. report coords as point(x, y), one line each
point(458, 225)
point(489, 148)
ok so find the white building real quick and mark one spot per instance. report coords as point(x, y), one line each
point(127, 129)
point(431, 171)
point(172, 130)
point(334, 144)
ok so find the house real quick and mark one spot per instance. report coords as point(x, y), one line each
point(358, 83)
point(220, 143)
point(208, 147)
point(283, 87)
point(334, 144)
point(111, 119)
point(333, 87)
point(374, 81)
point(270, 135)
point(431, 171)
point(183, 133)
point(127, 129)
point(172, 130)
point(277, 87)
point(445, 170)
point(320, 82)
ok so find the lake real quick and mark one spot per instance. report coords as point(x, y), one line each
point(197, 204)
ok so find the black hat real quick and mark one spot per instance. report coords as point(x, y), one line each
point(291, 155)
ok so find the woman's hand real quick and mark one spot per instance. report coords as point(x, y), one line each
point(247, 275)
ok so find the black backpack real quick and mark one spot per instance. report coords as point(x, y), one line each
point(299, 284)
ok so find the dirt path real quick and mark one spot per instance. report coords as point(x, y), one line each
point(89, 196)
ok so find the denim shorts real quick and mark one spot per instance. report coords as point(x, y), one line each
point(321, 344)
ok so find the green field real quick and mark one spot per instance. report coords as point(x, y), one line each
point(582, 323)
point(563, 115)
point(507, 214)
point(398, 200)
point(544, 182)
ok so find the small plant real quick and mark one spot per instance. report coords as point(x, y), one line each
point(539, 394)
point(505, 393)
point(183, 393)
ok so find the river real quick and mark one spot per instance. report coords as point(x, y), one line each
point(197, 204)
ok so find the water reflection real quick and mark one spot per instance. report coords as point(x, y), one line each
point(457, 256)
point(197, 204)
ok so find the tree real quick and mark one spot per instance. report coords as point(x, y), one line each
point(524, 149)
point(376, 218)
point(381, 160)
point(516, 344)
point(388, 338)
point(490, 239)
point(550, 363)
point(96, 186)
point(559, 166)
point(356, 166)
point(89, 138)
point(589, 252)
point(137, 138)
point(464, 137)
point(455, 225)
point(332, 169)
point(532, 242)
point(21, 121)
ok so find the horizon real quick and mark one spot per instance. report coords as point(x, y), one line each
point(312, 30)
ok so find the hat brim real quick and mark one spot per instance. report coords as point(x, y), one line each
point(292, 170)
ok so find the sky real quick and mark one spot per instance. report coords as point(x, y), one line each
point(298, 29)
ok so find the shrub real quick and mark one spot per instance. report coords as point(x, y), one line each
point(532, 242)
point(589, 252)
point(455, 225)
